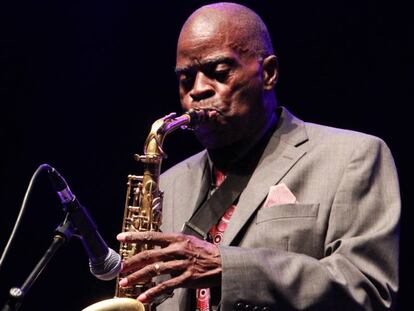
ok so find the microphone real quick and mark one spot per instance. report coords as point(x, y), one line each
point(104, 262)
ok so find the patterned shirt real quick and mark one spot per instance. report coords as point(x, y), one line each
point(215, 236)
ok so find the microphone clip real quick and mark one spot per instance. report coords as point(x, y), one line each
point(65, 230)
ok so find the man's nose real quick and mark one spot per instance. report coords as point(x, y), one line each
point(202, 87)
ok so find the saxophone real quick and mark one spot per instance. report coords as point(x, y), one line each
point(143, 207)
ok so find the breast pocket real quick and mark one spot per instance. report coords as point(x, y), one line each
point(291, 225)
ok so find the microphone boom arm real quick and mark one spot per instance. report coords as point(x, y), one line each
point(63, 234)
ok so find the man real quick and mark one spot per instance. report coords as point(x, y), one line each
point(316, 226)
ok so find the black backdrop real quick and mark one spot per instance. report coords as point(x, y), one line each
point(82, 81)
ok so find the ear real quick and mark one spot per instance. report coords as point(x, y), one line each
point(270, 72)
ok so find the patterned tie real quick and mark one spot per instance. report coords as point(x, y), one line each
point(215, 236)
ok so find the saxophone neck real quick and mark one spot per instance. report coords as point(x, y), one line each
point(188, 120)
point(153, 152)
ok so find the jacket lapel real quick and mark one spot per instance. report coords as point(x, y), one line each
point(280, 155)
point(195, 177)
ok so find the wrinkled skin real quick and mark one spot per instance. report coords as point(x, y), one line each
point(217, 70)
point(192, 262)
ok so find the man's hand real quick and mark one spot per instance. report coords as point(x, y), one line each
point(191, 262)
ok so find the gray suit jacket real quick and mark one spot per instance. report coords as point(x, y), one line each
point(336, 249)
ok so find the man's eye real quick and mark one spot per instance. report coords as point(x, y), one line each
point(186, 80)
point(221, 75)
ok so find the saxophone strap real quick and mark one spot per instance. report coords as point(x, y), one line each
point(210, 212)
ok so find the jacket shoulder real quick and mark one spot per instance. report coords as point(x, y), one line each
point(318, 132)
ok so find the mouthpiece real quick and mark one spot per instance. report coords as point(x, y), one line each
point(197, 116)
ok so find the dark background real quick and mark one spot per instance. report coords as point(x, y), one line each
point(82, 81)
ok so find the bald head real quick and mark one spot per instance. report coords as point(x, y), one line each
point(225, 64)
point(247, 30)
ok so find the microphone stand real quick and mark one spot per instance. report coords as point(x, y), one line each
point(63, 234)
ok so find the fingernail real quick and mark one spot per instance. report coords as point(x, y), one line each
point(121, 236)
point(142, 297)
point(123, 282)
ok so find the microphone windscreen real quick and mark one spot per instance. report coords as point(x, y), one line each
point(109, 268)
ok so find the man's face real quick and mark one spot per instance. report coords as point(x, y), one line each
point(216, 71)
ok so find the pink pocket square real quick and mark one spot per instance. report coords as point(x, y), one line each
point(279, 194)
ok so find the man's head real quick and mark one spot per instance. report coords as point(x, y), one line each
point(225, 62)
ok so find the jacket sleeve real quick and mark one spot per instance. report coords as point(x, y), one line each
point(359, 270)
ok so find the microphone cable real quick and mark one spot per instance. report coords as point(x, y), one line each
point(40, 169)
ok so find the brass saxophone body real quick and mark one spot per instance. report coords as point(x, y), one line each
point(143, 207)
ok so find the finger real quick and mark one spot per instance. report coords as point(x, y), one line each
point(152, 270)
point(152, 237)
point(164, 287)
point(143, 274)
point(139, 261)
point(147, 257)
